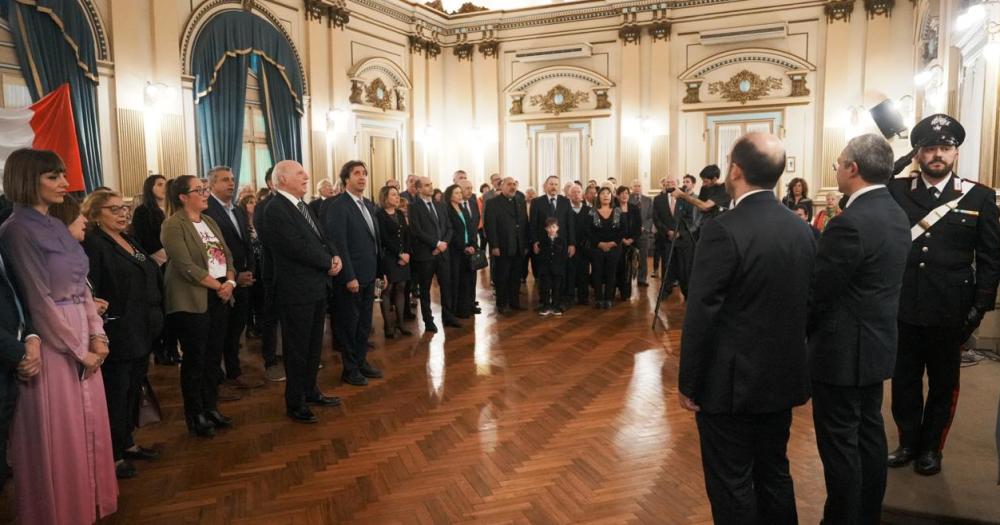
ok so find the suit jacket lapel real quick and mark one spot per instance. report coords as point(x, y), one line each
point(299, 219)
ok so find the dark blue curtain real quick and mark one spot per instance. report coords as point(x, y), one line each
point(51, 56)
point(220, 59)
point(284, 136)
point(220, 117)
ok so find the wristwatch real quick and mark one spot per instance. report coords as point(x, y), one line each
point(231, 283)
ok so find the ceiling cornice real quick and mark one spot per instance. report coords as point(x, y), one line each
point(456, 25)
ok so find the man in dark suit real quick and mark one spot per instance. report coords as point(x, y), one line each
point(852, 330)
point(578, 270)
point(684, 237)
point(324, 188)
point(743, 363)
point(551, 204)
point(645, 240)
point(663, 221)
point(303, 263)
point(950, 283)
point(470, 204)
point(353, 232)
point(430, 231)
point(236, 234)
point(267, 318)
point(506, 223)
point(20, 357)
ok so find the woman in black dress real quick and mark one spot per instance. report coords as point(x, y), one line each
point(464, 242)
point(394, 262)
point(631, 232)
point(147, 218)
point(605, 229)
point(127, 278)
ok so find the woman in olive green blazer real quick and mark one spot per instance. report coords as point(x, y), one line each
point(199, 283)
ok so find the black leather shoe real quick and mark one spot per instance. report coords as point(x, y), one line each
point(928, 463)
point(901, 457)
point(125, 470)
point(390, 335)
point(200, 426)
point(355, 379)
point(219, 420)
point(146, 454)
point(370, 344)
point(431, 327)
point(517, 308)
point(477, 310)
point(324, 401)
point(409, 316)
point(453, 323)
point(404, 331)
point(503, 310)
point(370, 371)
point(302, 415)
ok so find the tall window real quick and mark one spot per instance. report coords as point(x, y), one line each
point(256, 157)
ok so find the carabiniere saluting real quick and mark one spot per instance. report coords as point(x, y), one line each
point(950, 282)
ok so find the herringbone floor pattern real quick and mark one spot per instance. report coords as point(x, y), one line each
point(518, 419)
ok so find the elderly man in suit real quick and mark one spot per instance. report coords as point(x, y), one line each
point(506, 222)
point(234, 225)
point(430, 231)
point(325, 190)
point(853, 330)
point(645, 241)
point(302, 264)
point(743, 363)
point(20, 356)
point(352, 230)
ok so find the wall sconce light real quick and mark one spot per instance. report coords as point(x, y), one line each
point(158, 93)
point(428, 136)
point(336, 120)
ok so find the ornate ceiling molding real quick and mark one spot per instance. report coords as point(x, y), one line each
point(782, 59)
point(524, 82)
point(336, 14)
point(838, 10)
point(201, 16)
point(96, 22)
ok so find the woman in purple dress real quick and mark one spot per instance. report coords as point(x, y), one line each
point(60, 438)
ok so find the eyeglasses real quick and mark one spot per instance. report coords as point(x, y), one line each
point(199, 191)
point(117, 210)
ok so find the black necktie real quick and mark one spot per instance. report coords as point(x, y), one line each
point(553, 201)
point(305, 213)
point(935, 193)
point(437, 220)
point(465, 204)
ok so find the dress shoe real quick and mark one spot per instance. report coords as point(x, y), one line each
point(901, 457)
point(302, 415)
point(146, 454)
point(517, 308)
point(503, 310)
point(404, 331)
point(324, 401)
point(200, 426)
point(217, 419)
point(370, 371)
point(275, 373)
point(928, 463)
point(163, 361)
point(582, 301)
point(228, 393)
point(125, 470)
point(244, 383)
point(477, 310)
point(390, 334)
point(354, 378)
point(409, 316)
point(370, 344)
point(452, 323)
point(431, 327)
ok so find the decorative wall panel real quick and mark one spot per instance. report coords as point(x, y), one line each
point(131, 151)
point(173, 150)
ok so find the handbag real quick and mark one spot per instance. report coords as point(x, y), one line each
point(149, 405)
point(477, 260)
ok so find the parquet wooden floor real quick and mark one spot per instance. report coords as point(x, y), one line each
point(518, 419)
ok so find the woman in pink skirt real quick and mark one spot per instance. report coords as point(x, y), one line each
point(60, 442)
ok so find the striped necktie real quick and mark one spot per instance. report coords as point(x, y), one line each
point(304, 210)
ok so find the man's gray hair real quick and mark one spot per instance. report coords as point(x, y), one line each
point(213, 174)
point(873, 155)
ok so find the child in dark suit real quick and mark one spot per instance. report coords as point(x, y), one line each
point(550, 264)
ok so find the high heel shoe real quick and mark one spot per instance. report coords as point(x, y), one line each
point(200, 426)
point(217, 419)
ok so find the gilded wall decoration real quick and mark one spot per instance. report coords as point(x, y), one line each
point(560, 100)
point(356, 86)
point(400, 100)
point(517, 105)
point(838, 10)
point(630, 34)
point(879, 7)
point(659, 31)
point(602, 99)
point(489, 48)
point(336, 15)
point(799, 88)
point(744, 87)
point(467, 7)
point(693, 92)
point(464, 51)
point(378, 95)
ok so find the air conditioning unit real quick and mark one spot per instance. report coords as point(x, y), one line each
point(543, 54)
point(743, 34)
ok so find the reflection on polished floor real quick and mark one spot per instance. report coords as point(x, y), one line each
point(520, 419)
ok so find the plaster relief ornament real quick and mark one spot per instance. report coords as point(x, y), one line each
point(559, 100)
point(744, 87)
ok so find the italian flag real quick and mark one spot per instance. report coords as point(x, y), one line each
point(46, 124)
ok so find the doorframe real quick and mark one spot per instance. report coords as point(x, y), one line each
point(387, 126)
point(748, 115)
